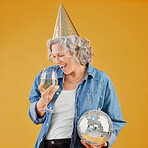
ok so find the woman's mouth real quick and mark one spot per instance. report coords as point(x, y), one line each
point(63, 67)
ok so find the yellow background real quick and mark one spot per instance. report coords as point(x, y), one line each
point(118, 31)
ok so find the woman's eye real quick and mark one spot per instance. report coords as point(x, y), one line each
point(61, 55)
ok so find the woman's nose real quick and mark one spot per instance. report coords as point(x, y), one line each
point(57, 61)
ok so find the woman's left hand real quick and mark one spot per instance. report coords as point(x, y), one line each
point(92, 145)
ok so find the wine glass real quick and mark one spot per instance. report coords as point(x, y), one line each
point(48, 77)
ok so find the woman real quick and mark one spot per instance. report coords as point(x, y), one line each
point(81, 88)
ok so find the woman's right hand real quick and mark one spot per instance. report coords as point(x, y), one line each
point(45, 94)
point(92, 145)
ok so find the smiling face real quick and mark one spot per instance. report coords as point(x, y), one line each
point(66, 61)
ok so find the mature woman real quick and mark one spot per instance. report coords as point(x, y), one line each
point(81, 87)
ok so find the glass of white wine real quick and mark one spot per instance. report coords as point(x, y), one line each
point(48, 77)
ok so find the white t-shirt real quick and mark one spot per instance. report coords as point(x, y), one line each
point(61, 125)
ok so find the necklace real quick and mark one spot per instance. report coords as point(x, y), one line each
point(74, 82)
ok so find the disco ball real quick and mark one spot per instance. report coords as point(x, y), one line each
point(95, 126)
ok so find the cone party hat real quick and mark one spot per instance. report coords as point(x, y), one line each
point(64, 25)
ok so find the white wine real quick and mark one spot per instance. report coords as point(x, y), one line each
point(48, 82)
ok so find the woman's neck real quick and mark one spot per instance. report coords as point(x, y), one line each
point(77, 75)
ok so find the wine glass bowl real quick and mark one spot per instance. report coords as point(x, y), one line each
point(48, 77)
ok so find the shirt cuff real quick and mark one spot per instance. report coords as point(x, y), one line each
point(112, 140)
point(33, 114)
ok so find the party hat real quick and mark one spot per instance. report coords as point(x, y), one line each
point(64, 25)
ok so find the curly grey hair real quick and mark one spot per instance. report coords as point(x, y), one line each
point(79, 47)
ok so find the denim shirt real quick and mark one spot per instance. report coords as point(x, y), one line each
point(95, 91)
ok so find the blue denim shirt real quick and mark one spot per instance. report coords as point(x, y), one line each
point(95, 91)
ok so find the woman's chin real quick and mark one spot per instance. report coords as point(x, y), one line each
point(66, 72)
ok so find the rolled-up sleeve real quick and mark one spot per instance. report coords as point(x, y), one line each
point(34, 97)
point(33, 114)
point(112, 108)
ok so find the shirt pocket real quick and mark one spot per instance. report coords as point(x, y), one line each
point(94, 100)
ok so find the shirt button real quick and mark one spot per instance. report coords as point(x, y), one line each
point(52, 142)
point(57, 93)
point(41, 139)
point(47, 124)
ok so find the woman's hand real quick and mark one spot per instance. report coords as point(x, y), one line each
point(45, 94)
point(92, 145)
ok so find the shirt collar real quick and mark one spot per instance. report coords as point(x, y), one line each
point(60, 73)
point(90, 71)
